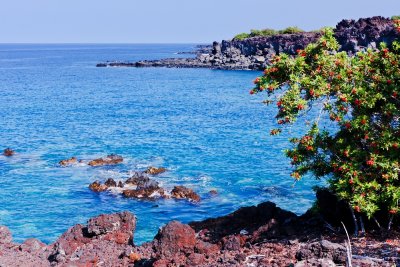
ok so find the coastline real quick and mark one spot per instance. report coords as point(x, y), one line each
point(255, 53)
point(262, 235)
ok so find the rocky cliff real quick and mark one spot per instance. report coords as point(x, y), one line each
point(254, 53)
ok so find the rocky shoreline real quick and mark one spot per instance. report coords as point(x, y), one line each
point(262, 235)
point(255, 53)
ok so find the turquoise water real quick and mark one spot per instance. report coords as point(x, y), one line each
point(201, 124)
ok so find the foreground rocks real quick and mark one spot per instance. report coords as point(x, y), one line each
point(262, 235)
point(255, 53)
point(140, 186)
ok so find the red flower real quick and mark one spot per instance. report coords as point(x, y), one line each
point(389, 81)
point(257, 80)
point(251, 92)
point(370, 162)
point(392, 211)
point(300, 106)
point(357, 208)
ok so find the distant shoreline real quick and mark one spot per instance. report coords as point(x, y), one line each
point(255, 53)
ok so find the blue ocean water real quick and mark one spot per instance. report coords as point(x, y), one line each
point(200, 124)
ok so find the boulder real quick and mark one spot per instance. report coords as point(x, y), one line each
point(154, 170)
point(109, 160)
point(323, 249)
point(124, 222)
point(182, 192)
point(68, 162)
point(8, 152)
point(175, 238)
point(96, 186)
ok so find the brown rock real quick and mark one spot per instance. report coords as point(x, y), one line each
point(68, 162)
point(139, 179)
point(174, 238)
point(96, 186)
point(134, 257)
point(8, 152)
point(154, 170)
point(144, 193)
point(182, 192)
point(109, 160)
point(110, 182)
point(213, 192)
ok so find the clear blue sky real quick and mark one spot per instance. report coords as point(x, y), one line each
point(169, 21)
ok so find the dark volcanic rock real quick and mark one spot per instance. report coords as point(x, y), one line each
point(8, 152)
point(182, 192)
point(323, 249)
point(109, 160)
point(247, 218)
point(254, 53)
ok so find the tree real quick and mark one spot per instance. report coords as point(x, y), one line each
point(360, 94)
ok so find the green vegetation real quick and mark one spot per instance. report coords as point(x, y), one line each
point(267, 32)
point(395, 17)
point(360, 156)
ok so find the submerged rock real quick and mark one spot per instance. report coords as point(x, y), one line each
point(67, 162)
point(8, 152)
point(109, 160)
point(182, 192)
point(154, 170)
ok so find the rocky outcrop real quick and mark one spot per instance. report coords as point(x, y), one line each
point(231, 240)
point(140, 186)
point(255, 53)
point(109, 160)
point(182, 192)
point(8, 152)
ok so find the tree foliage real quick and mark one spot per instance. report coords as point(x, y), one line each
point(360, 95)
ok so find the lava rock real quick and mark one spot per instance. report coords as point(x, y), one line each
point(68, 162)
point(182, 192)
point(8, 152)
point(96, 186)
point(175, 238)
point(154, 170)
point(109, 160)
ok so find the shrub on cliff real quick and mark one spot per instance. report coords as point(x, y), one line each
point(361, 95)
point(267, 32)
point(291, 30)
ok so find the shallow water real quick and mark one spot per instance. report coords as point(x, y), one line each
point(201, 124)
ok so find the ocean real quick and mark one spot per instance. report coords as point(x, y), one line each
point(201, 124)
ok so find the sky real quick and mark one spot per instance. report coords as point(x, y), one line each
point(170, 21)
